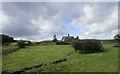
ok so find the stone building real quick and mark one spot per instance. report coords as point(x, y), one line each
point(68, 39)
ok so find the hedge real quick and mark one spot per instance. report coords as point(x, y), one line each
point(88, 46)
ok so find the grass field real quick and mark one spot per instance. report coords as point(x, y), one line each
point(77, 62)
point(33, 55)
point(97, 62)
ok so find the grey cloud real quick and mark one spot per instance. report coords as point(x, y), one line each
point(19, 24)
point(53, 14)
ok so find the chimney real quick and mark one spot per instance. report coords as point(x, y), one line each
point(68, 35)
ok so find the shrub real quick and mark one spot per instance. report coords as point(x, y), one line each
point(28, 43)
point(61, 43)
point(21, 44)
point(5, 39)
point(89, 46)
point(9, 50)
point(77, 45)
point(55, 40)
point(92, 46)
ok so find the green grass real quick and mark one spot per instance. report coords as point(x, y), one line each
point(96, 62)
point(8, 47)
point(33, 55)
point(77, 62)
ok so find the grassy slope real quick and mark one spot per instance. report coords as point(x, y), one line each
point(97, 62)
point(33, 55)
point(5, 48)
point(0, 64)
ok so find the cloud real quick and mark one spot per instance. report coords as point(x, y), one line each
point(49, 27)
point(16, 27)
point(41, 20)
point(99, 20)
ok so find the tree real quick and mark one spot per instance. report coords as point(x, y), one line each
point(68, 35)
point(54, 36)
point(55, 39)
point(29, 42)
point(117, 38)
point(21, 44)
point(77, 38)
point(5, 39)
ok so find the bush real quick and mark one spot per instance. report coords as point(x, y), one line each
point(21, 44)
point(93, 46)
point(61, 43)
point(77, 45)
point(5, 39)
point(55, 40)
point(89, 46)
point(28, 43)
point(9, 50)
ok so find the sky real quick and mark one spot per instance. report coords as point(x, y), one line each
point(37, 21)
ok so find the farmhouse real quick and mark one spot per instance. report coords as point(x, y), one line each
point(68, 39)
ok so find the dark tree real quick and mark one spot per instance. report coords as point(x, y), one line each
point(77, 38)
point(117, 38)
point(29, 42)
point(68, 35)
point(55, 39)
point(21, 44)
point(5, 39)
point(54, 36)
